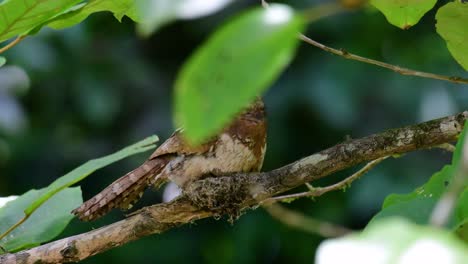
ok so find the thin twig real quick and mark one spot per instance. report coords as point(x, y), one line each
point(398, 69)
point(447, 146)
point(318, 191)
point(323, 10)
point(328, 9)
point(11, 44)
point(305, 223)
point(446, 204)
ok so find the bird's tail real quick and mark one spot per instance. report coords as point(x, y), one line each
point(123, 192)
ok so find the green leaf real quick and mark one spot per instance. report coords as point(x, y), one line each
point(30, 202)
point(18, 17)
point(157, 13)
point(461, 216)
point(418, 205)
point(237, 63)
point(461, 211)
point(394, 241)
point(452, 21)
point(89, 167)
point(45, 224)
point(403, 13)
point(119, 8)
point(2, 61)
point(458, 153)
point(462, 230)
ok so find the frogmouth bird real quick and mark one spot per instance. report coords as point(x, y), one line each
point(239, 147)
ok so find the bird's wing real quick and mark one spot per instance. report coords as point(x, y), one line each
point(176, 144)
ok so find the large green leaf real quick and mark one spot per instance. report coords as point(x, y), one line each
point(2, 61)
point(118, 8)
point(29, 204)
point(452, 25)
point(18, 17)
point(45, 224)
point(403, 13)
point(237, 63)
point(394, 241)
point(419, 204)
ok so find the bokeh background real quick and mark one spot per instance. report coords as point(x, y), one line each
point(73, 95)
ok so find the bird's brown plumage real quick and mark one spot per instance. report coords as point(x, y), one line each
point(240, 147)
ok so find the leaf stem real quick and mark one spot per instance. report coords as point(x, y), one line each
point(11, 44)
point(25, 217)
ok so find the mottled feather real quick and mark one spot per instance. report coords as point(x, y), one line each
point(122, 193)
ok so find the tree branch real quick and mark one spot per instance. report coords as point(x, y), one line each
point(319, 191)
point(229, 194)
point(153, 220)
point(305, 223)
point(397, 69)
point(328, 9)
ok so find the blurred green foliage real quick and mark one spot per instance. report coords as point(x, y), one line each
point(97, 87)
point(396, 240)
